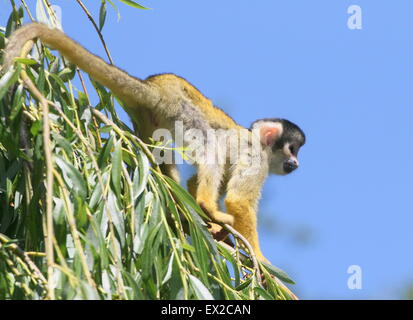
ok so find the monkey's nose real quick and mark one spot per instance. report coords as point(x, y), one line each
point(290, 165)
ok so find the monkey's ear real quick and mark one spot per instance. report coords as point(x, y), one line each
point(270, 133)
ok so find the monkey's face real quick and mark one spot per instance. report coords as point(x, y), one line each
point(284, 159)
point(282, 139)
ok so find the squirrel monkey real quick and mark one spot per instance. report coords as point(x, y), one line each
point(160, 101)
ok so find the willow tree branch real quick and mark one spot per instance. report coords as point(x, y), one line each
point(97, 29)
point(25, 257)
point(48, 233)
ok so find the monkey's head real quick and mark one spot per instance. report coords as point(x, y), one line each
point(282, 139)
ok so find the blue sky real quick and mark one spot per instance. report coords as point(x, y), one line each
point(349, 90)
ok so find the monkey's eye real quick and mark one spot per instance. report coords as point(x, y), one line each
point(292, 149)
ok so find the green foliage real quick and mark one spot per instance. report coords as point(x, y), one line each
point(118, 228)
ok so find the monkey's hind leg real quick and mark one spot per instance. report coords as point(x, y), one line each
point(171, 171)
point(192, 185)
point(207, 193)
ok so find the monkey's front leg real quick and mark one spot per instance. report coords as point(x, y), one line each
point(217, 231)
point(207, 192)
point(241, 203)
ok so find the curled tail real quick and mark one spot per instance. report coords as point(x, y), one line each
point(130, 90)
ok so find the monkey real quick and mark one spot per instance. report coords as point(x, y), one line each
point(161, 101)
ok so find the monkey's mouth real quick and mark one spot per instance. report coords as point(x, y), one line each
point(289, 166)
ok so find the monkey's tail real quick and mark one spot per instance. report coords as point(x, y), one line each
point(130, 90)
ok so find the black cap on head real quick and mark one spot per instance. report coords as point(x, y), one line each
point(291, 134)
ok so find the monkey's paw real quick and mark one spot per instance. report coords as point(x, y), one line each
point(217, 216)
point(222, 217)
point(218, 232)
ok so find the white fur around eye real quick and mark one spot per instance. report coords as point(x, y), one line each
point(287, 150)
point(288, 153)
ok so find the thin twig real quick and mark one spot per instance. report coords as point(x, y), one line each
point(73, 229)
point(88, 99)
point(51, 12)
point(243, 258)
point(27, 9)
point(249, 247)
point(97, 29)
